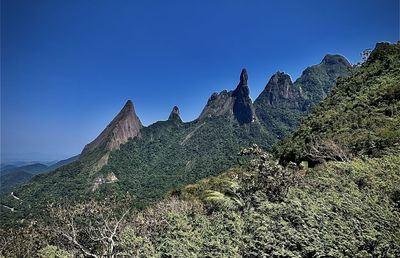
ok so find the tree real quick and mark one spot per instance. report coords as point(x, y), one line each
point(319, 150)
point(267, 176)
point(92, 228)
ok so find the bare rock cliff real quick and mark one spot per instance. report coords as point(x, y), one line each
point(124, 126)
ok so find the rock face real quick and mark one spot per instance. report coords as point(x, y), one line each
point(175, 115)
point(235, 103)
point(124, 126)
point(243, 107)
point(217, 105)
point(336, 60)
point(280, 92)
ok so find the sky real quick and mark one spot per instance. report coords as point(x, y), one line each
point(68, 67)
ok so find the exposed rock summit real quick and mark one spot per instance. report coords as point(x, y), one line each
point(235, 103)
point(124, 126)
point(243, 107)
point(280, 92)
point(175, 115)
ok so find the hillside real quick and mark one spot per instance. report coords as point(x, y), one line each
point(360, 116)
point(282, 104)
point(11, 180)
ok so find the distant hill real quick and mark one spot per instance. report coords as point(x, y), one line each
point(12, 176)
point(33, 169)
point(62, 163)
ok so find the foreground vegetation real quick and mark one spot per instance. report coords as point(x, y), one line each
point(259, 209)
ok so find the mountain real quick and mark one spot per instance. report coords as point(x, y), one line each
point(282, 103)
point(149, 161)
point(13, 176)
point(235, 104)
point(316, 81)
point(175, 115)
point(124, 126)
point(359, 117)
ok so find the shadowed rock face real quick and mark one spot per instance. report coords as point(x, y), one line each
point(235, 103)
point(280, 92)
point(175, 115)
point(243, 106)
point(124, 126)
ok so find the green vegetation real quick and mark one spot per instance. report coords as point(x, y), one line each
point(168, 155)
point(361, 116)
point(335, 209)
point(283, 104)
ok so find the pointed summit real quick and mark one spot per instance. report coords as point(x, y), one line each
point(236, 103)
point(243, 77)
point(243, 107)
point(124, 126)
point(280, 92)
point(175, 115)
point(335, 60)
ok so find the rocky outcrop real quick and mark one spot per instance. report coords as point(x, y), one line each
point(243, 107)
point(124, 126)
point(175, 115)
point(109, 179)
point(336, 60)
point(236, 104)
point(217, 105)
point(280, 92)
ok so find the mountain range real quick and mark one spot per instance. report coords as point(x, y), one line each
point(150, 161)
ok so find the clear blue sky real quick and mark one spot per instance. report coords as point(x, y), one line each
point(67, 67)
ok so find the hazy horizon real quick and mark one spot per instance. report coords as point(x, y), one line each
point(68, 67)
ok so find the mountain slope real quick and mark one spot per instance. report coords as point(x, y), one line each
point(361, 116)
point(282, 103)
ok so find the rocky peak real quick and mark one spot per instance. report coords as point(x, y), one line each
point(280, 91)
point(243, 107)
point(235, 103)
point(218, 104)
point(124, 126)
point(243, 77)
point(335, 60)
point(175, 115)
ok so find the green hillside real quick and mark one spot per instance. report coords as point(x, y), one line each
point(283, 103)
point(361, 116)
